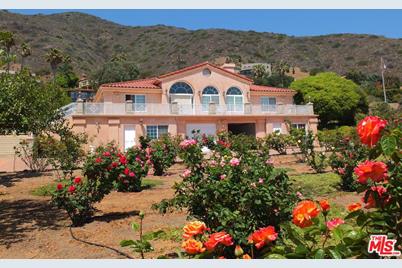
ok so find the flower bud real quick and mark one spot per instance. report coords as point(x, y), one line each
point(142, 214)
point(238, 251)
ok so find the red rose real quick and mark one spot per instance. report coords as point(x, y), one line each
point(71, 189)
point(324, 205)
point(114, 164)
point(126, 171)
point(263, 236)
point(98, 160)
point(106, 154)
point(218, 238)
point(59, 187)
point(376, 171)
point(77, 180)
point(369, 129)
point(123, 160)
point(131, 174)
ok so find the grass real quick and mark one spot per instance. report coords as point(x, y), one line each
point(314, 185)
point(46, 190)
point(150, 183)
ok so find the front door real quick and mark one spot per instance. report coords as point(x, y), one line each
point(129, 136)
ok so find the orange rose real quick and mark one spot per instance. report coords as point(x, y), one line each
point(263, 236)
point(376, 171)
point(194, 228)
point(218, 238)
point(324, 204)
point(192, 246)
point(304, 212)
point(371, 201)
point(246, 257)
point(354, 207)
point(369, 129)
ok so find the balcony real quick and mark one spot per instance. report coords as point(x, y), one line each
point(128, 108)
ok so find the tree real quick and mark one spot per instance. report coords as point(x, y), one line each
point(66, 77)
point(259, 71)
point(55, 57)
point(335, 99)
point(25, 51)
point(29, 106)
point(116, 71)
point(7, 41)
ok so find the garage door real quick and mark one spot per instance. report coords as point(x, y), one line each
point(208, 129)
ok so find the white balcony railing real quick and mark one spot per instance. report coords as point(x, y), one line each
point(89, 108)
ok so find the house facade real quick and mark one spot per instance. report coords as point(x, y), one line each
point(201, 97)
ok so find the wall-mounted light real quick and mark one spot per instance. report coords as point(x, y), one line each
point(142, 122)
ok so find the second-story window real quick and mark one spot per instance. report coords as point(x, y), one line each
point(268, 104)
point(234, 100)
point(138, 102)
point(209, 94)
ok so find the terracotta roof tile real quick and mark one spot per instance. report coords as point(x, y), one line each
point(204, 64)
point(270, 89)
point(142, 83)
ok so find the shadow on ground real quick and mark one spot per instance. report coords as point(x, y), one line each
point(113, 216)
point(9, 179)
point(19, 217)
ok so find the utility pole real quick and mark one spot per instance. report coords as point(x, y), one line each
point(383, 67)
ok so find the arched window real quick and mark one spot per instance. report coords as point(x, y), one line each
point(180, 88)
point(182, 94)
point(209, 94)
point(234, 100)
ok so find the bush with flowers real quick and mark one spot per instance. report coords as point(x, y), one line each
point(163, 153)
point(105, 169)
point(231, 192)
point(279, 142)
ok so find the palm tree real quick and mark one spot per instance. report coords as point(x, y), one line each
point(7, 41)
point(281, 68)
point(54, 57)
point(259, 71)
point(25, 51)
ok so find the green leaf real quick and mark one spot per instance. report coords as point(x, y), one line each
point(276, 256)
point(320, 254)
point(135, 226)
point(335, 254)
point(388, 145)
point(126, 243)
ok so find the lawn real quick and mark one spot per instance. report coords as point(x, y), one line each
point(316, 185)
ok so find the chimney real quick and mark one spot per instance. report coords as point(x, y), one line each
point(229, 67)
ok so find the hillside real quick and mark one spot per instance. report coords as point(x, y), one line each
point(90, 41)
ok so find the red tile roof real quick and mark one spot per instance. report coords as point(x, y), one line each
point(271, 89)
point(142, 83)
point(192, 67)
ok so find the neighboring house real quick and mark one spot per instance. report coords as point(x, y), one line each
point(83, 92)
point(202, 96)
point(247, 68)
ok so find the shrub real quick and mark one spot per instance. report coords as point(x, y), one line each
point(163, 153)
point(278, 142)
point(346, 154)
point(231, 192)
point(105, 169)
point(32, 154)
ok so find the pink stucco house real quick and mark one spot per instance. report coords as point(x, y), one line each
point(202, 96)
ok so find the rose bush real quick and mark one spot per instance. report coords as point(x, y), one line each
point(163, 153)
point(105, 169)
point(231, 192)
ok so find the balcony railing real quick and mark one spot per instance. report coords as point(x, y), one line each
point(89, 108)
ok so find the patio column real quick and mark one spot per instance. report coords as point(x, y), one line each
point(80, 106)
point(129, 106)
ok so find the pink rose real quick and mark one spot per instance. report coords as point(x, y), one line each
point(223, 176)
point(186, 173)
point(234, 162)
point(334, 223)
point(261, 181)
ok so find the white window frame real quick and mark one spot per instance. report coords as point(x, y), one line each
point(267, 106)
point(158, 135)
point(138, 107)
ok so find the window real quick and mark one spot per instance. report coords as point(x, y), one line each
point(299, 126)
point(277, 128)
point(209, 94)
point(155, 132)
point(268, 104)
point(206, 72)
point(180, 88)
point(138, 102)
point(234, 100)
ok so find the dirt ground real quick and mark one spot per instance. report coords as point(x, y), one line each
point(31, 228)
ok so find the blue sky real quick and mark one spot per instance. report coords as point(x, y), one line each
point(291, 22)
